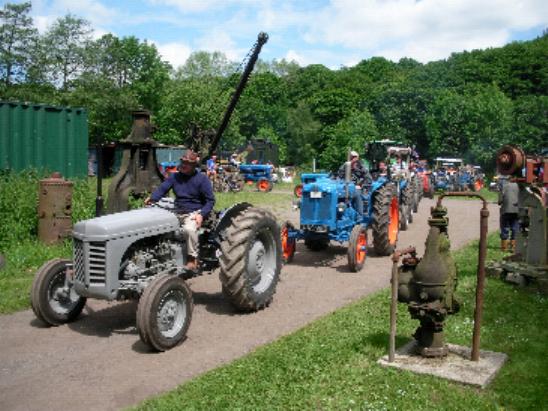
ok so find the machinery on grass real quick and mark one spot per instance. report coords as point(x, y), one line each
point(141, 254)
point(227, 179)
point(327, 213)
point(530, 260)
point(261, 174)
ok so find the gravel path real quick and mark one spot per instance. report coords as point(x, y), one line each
point(99, 363)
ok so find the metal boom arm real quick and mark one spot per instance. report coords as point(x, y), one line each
point(262, 38)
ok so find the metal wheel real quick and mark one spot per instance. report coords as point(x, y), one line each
point(53, 300)
point(289, 245)
point(164, 312)
point(251, 259)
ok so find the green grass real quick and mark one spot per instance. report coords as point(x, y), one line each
point(18, 228)
point(331, 363)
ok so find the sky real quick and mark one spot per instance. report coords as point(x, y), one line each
point(335, 33)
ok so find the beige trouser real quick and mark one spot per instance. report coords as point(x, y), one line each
point(190, 233)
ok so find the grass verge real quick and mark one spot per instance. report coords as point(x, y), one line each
point(331, 363)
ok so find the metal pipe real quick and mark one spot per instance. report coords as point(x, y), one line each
point(394, 300)
point(478, 311)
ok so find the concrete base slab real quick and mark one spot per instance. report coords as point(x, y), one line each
point(455, 367)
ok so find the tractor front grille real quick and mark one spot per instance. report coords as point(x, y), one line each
point(79, 261)
point(97, 262)
point(90, 262)
point(316, 210)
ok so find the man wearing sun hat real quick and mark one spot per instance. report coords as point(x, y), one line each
point(360, 177)
point(194, 200)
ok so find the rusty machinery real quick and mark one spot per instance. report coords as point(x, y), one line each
point(428, 284)
point(138, 172)
point(530, 259)
point(54, 208)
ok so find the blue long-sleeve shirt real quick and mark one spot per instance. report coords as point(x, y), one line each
point(192, 192)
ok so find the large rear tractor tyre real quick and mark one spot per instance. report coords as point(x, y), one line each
point(251, 259)
point(316, 244)
point(164, 312)
point(385, 224)
point(357, 248)
point(51, 301)
point(289, 245)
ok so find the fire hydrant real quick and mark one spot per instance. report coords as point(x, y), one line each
point(428, 285)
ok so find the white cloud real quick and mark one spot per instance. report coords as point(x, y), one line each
point(175, 53)
point(45, 13)
point(424, 30)
point(292, 55)
point(220, 40)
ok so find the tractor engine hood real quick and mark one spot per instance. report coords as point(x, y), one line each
point(144, 221)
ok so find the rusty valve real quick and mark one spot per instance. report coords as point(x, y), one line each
point(428, 284)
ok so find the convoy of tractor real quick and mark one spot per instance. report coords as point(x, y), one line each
point(141, 254)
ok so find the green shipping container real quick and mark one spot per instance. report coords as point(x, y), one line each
point(43, 137)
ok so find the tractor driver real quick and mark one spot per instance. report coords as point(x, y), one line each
point(194, 201)
point(360, 177)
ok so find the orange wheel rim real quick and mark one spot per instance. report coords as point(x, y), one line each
point(477, 186)
point(263, 185)
point(361, 248)
point(394, 221)
point(299, 190)
point(288, 246)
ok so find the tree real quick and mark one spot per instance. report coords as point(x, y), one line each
point(472, 125)
point(206, 64)
point(17, 36)
point(66, 42)
point(192, 102)
point(303, 135)
point(350, 133)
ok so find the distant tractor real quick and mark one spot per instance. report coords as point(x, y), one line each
point(261, 174)
point(445, 173)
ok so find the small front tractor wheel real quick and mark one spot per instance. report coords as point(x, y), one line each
point(385, 224)
point(298, 190)
point(357, 248)
point(316, 244)
point(251, 259)
point(264, 186)
point(164, 312)
point(52, 300)
point(289, 245)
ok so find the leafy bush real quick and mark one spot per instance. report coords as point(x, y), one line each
point(19, 202)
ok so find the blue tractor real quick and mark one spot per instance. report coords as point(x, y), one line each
point(327, 213)
point(261, 174)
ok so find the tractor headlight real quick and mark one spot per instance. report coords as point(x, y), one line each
point(341, 207)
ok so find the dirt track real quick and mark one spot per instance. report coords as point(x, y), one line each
point(99, 363)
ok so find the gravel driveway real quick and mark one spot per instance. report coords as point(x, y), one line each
point(99, 363)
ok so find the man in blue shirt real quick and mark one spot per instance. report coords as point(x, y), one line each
point(194, 201)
